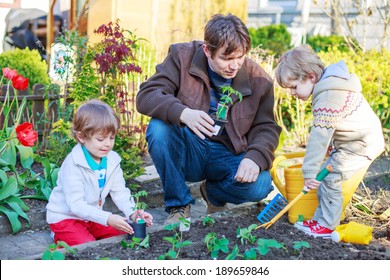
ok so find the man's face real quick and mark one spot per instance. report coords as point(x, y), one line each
point(227, 66)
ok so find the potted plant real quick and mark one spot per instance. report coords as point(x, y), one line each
point(220, 117)
point(138, 225)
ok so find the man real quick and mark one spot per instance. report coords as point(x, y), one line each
point(180, 97)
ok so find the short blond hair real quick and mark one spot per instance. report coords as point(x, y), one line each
point(297, 64)
point(95, 116)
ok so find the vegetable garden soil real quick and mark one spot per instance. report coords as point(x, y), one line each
point(226, 224)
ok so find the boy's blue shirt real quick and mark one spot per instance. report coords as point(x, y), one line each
point(99, 169)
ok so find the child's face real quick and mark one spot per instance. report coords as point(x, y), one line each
point(301, 88)
point(98, 145)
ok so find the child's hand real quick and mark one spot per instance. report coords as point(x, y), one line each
point(311, 184)
point(119, 223)
point(144, 215)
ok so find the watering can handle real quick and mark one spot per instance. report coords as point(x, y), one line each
point(274, 174)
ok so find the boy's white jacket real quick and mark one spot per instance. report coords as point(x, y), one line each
point(342, 117)
point(77, 193)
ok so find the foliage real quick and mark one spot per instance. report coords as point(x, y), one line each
point(140, 205)
point(126, 147)
point(294, 116)
point(214, 244)
point(60, 142)
point(208, 221)
point(136, 243)
point(274, 38)
point(245, 234)
point(42, 186)
point(28, 63)
point(264, 245)
point(176, 240)
point(53, 252)
point(226, 100)
point(327, 43)
point(16, 144)
point(301, 244)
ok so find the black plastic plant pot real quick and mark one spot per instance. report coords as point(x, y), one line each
point(139, 230)
point(219, 126)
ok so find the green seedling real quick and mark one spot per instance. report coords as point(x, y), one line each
point(140, 205)
point(208, 221)
point(54, 252)
point(176, 240)
point(264, 245)
point(234, 254)
point(136, 243)
point(245, 234)
point(226, 100)
point(215, 245)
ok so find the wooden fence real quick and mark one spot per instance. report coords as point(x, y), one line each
point(41, 109)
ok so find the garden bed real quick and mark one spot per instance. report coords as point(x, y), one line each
point(282, 234)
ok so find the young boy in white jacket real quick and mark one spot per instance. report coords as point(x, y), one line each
point(343, 119)
point(88, 174)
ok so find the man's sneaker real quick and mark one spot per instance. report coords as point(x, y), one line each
point(317, 231)
point(210, 207)
point(177, 212)
point(308, 223)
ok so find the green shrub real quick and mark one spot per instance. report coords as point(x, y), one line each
point(274, 38)
point(28, 63)
point(327, 43)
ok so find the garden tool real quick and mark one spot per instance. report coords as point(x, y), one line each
point(269, 212)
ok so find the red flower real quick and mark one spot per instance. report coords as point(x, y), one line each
point(9, 73)
point(26, 135)
point(19, 82)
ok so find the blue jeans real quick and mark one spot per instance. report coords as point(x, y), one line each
point(180, 156)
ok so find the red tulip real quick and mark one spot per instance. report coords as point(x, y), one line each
point(9, 73)
point(26, 135)
point(19, 82)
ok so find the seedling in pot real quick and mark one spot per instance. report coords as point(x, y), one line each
point(223, 106)
point(139, 225)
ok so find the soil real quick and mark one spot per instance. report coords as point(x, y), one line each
point(376, 192)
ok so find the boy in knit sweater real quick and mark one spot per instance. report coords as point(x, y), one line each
point(88, 174)
point(343, 120)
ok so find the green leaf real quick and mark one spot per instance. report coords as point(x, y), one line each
point(263, 250)
point(15, 206)
point(250, 254)
point(171, 254)
point(3, 177)
point(20, 202)
point(13, 219)
point(170, 239)
point(252, 227)
point(67, 247)
point(58, 255)
point(47, 255)
point(9, 155)
point(214, 254)
point(26, 156)
point(54, 176)
point(299, 244)
point(10, 188)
